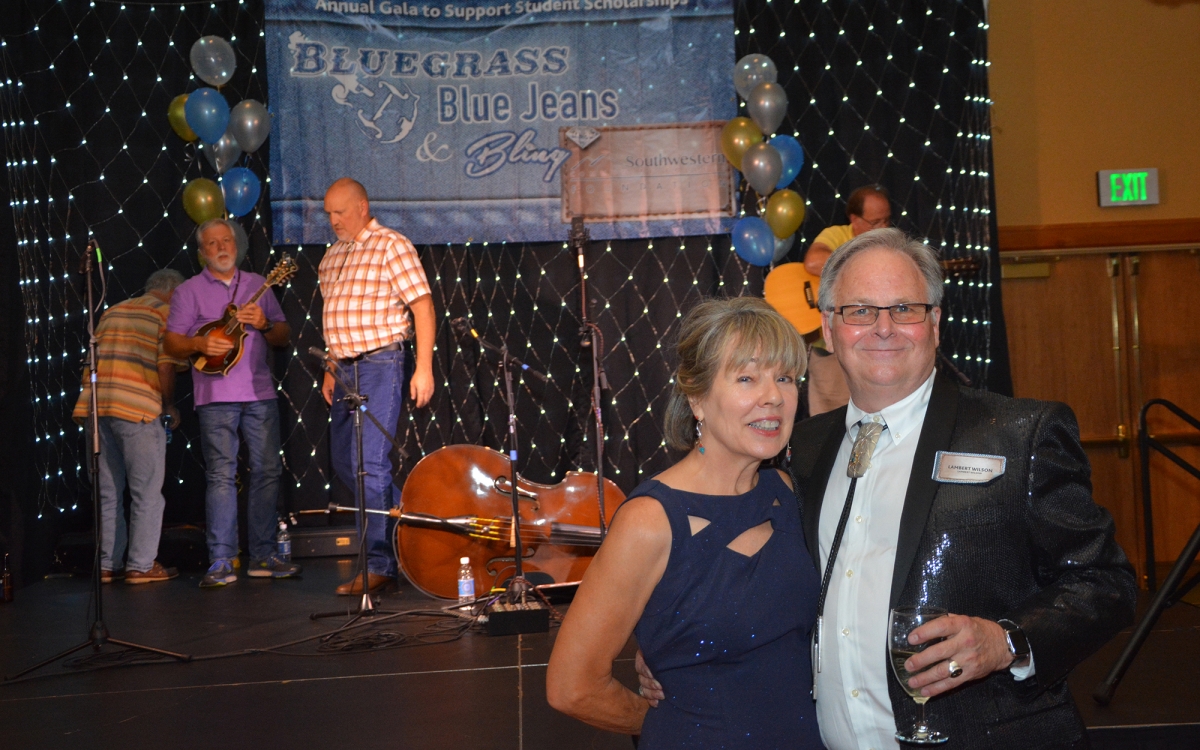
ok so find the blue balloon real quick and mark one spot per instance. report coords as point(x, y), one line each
point(754, 241)
point(241, 188)
point(207, 114)
point(792, 156)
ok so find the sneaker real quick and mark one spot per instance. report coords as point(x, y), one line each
point(156, 573)
point(272, 567)
point(108, 576)
point(219, 574)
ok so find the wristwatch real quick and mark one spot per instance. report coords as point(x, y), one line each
point(270, 325)
point(1018, 644)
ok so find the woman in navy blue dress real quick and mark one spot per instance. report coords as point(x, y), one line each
point(706, 562)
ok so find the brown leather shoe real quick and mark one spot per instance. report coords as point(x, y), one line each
point(108, 576)
point(156, 573)
point(353, 587)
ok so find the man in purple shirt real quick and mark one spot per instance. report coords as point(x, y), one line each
point(244, 398)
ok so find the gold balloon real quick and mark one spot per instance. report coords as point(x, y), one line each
point(785, 213)
point(178, 119)
point(739, 134)
point(202, 200)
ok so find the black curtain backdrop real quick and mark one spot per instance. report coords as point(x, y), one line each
point(880, 91)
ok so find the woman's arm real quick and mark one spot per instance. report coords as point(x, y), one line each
point(610, 601)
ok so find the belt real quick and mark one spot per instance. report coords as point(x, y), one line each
point(395, 346)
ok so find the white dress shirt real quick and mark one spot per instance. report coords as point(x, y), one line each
point(854, 710)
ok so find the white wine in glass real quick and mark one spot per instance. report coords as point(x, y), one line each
point(904, 621)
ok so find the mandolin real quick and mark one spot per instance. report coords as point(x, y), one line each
point(228, 328)
point(792, 291)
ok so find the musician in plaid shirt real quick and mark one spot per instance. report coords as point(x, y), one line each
point(376, 299)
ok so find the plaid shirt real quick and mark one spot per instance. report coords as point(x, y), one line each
point(367, 285)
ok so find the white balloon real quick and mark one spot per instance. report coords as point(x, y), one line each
point(752, 70)
point(213, 60)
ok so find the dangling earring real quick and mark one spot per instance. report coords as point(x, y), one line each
point(699, 425)
point(789, 453)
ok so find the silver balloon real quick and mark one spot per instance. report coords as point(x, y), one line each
point(212, 59)
point(767, 106)
point(752, 70)
point(783, 247)
point(762, 166)
point(250, 124)
point(223, 154)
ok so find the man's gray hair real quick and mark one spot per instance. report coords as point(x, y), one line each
point(890, 239)
point(164, 280)
point(200, 230)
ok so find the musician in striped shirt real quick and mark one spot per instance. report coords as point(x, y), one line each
point(135, 385)
point(376, 300)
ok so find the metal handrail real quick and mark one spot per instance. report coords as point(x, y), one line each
point(1173, 589)
point(1146, 442)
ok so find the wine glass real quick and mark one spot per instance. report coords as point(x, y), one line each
point(904, 621)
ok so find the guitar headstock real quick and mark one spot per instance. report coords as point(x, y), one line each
point(285, 269)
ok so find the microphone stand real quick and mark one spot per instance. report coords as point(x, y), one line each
point(592, 339)
point(357, 403)
point(98, 632)
point(518, 586)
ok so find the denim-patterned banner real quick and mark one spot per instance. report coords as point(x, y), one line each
point(499, 120)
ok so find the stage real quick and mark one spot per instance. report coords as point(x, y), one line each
point(440, 687)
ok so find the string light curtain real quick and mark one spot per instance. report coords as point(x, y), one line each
point(886, 92)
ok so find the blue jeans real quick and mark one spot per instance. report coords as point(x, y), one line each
point(380, 377)
point(259, 423)
point(132, 453)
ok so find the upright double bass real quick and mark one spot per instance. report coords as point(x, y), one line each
point(457, 502)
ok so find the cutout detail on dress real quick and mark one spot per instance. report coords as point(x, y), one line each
point(698, 524)
point(752, 540)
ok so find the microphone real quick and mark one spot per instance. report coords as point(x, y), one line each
point(462, 326)
point(318, 353)
point(85, 262)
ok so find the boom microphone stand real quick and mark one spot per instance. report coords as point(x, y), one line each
point(592, 339)
point(357, 403)
point(98, 633)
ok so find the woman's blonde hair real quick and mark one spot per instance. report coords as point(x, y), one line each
point(726, 333)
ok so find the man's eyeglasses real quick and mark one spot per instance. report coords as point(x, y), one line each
point(884, 222)
point(905, 313)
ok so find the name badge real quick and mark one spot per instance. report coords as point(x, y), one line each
point(967, 468)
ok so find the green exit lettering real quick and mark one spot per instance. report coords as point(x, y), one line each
point(1127, 186)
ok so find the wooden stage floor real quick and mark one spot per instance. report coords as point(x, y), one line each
point(433, 691)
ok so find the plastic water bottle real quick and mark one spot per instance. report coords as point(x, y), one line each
point(283, 543)
point(466, 581)
point(166, 423)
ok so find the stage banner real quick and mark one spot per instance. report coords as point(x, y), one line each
point(500, 120)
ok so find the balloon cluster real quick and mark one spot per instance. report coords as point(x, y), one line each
point(769, 162)
point(224, 134)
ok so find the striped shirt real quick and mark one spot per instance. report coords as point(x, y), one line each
point(368, 284)
point(128, 353)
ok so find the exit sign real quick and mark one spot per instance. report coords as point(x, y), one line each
point(1128, 187)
